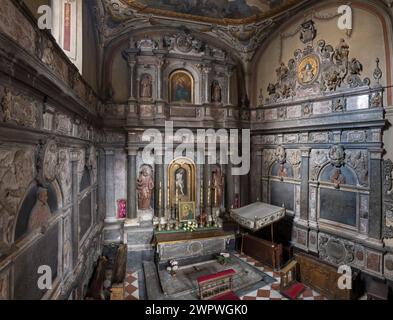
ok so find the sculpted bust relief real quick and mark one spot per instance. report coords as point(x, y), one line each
point(41, 213)
point(145, 186)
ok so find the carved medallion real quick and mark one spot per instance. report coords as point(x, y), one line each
point(308, 70)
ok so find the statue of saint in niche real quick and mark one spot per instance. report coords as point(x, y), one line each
point(145, 186)
point(41, 213)
point(218, 184)
point(181, 182)
point(146, 86)
point(216, 92)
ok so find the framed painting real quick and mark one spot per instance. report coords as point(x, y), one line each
point(186, 211)
point(181, 87)
point(308, 70)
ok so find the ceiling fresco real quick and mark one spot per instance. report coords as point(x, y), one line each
point(217, 11)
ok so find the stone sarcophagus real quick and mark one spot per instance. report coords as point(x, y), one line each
point(190, 247)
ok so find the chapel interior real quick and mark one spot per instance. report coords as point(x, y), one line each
point(267, 174)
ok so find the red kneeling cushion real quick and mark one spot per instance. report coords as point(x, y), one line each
point(294, 291)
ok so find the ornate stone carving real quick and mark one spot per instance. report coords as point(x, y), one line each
point(4, 286)
point(337, 156)
point(16, 173)
point(338, 105)
point(6, 105)
point(147, 44)
point(280, 155)
point(358, 160)
point(216, 95)
point(318, 160)
point(19, 109)
point(377, 72)
point(308, 32)
point(64, 174)
point(91, 161)
point(295, 159)
point(48, 162)
point(341, 53)
point(334, 250)
point(376, 100)
point(145, 186)
point(307, 110)
point(146, 86)
point(268, 158)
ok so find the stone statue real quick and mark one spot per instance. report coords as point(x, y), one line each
point(216, 92)
point(282, 72)
point(218, 184)
point(146, 87)
point(41, 213)
point(342, 52)
point(180, 182)
point(145, 186)
point(281, 155)
point(6, 104)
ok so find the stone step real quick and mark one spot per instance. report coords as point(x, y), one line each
point(153, 286)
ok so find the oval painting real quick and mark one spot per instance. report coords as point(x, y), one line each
point(181, 87)
point(308, 70)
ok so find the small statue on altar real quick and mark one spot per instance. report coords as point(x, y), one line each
point(180, 182)
point(145, 186)
point(202, 219)
point(218, 184)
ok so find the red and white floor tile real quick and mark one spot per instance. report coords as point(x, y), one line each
point(272, 291)
point(269, 292)
point(131, 286)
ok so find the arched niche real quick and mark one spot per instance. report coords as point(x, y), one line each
point(339, 196)
point(192, 71)
point(30, 199)
point(182, 169)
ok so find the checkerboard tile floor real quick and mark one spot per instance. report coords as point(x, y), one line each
point(269, 292)
point(131, 286)
point(272, 291)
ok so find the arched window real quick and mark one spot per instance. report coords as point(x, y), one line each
point(181, 87)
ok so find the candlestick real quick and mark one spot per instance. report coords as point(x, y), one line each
point(160, 197)
point(201, 196)
point(215, 198)
point(209, 194)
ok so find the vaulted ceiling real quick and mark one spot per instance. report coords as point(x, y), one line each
point(241, 25)
point(217, 11)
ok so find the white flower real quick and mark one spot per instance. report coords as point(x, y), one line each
point(169, 269)
point(225, 255)
point(175, 268)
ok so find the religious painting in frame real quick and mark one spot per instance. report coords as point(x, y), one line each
point(186, 211)
point(308, 70)
point(181, 87)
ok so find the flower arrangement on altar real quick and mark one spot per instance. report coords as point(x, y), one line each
point(224, 258)
point(173, 267)
point(190, 226)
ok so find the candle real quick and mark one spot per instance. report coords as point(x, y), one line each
point(215, 197)
point(160, 197)
point(201, 196)
point(208, 194)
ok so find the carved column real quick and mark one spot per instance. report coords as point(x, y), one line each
point(375, 211)
point(101, 183)
point(206, 72)
point(160, 66)
point(131, 183)
point(255, 176)
point(229, 83)
point(131, 68)
point(304, 189)
point(230, 187)
point(110, 186)
point(159, 187)
point(75, 207)
point(208, 194)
